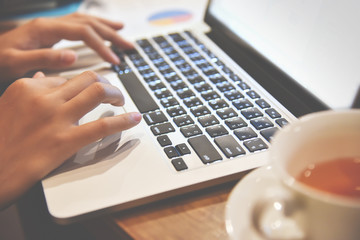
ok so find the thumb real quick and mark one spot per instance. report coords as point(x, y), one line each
point(46, 59)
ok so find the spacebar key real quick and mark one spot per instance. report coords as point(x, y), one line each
point(138, 93)
point(204, 149)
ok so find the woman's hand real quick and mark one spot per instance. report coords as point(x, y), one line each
point(39, 129)
point(28, 47)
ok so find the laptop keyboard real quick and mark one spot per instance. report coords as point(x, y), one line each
point(186, 88)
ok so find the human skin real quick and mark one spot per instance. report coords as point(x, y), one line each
point(29, 47)
point(39, 126)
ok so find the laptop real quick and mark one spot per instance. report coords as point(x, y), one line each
point(212, 97)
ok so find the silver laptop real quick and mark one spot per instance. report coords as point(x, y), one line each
point(212, 98)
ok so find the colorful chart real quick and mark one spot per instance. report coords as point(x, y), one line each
point(169, 17)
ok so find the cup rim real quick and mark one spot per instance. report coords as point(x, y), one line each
point(290, 180)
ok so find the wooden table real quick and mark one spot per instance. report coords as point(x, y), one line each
point(198, 215)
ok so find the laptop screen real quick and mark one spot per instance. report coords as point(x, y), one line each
point(315, 42)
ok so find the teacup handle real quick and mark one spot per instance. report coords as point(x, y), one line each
point(279, 216)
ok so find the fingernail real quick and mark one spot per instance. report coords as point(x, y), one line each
point(68, 56)
point(136, 117)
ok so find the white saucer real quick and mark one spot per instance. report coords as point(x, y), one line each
point(242, 199)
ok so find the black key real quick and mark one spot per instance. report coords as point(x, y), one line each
point(269, 133)
point(225, 87)
point(262, 103)
point(200, 111)
point(162, 93)
point(155, 117)
point(226, 113)
point(190, 131)
point(242, 104)
point(251, 113)
point(281, 122)
point(169, 102)
point(233, 95)
point(235, 123)
point(177, 85)
point(204, 149)
point(229, 146)
point(162, 128)
point(245, 133)
point(164, 140)
point(192, 102)
point(142, 99)
point(218, 103)
point(272, 113)
point(208, 120)
point(171, 152)
point(179, 164)
point(185, 93)
point(253, 94)
point(182, 149)
point(183, 121)
point(255, 145)
point(210, 95)
point(195, 79)
point(202, 87)
point(217, 130)
point(217, 78)
point(243, 86)
point(154, 85)
point(261, 123)
point(176, 111)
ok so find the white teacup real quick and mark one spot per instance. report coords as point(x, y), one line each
point(299, 210)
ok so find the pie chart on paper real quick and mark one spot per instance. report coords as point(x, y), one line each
point(169, 17)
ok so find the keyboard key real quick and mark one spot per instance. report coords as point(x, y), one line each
point(185, 93)
point(179, 164)
point(171, 152)
point(261, 123)
point(162, 128)
point(176, 111)
point(281, 122)
point(255, 145)
point(233, 95)
point(182, 149)
point(210, 95)
point(269, 133)
point(164, 140)
point(242, 104)
point(253, 94)
point(251, 113)
point(204, 149)
point(200, 111)
point(272, 113)
point(243, 86)
point(229, 146)
point(235, 123)
point(162, 93)
point(245, 133)
point(138, 93)
point(183, 121)
point(154, 117)
point(177, 85)
point(218, 103)
point(262, 103)
point(226, 113)
point(208, 120)
point(217, 130)
point(169, 102)
point(190, 131)
point(202, 87)
point(225, 87)
point(192, 102)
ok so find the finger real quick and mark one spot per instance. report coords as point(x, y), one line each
point(90, 98)
point(77, 31)
point(93, 131)
point(39, 75)
point(77, 84)
point(108, 33)
point(83, 17)
point(44, 59)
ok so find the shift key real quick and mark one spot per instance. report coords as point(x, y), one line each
point(204, 149)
